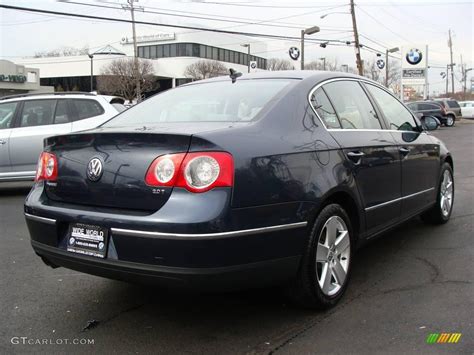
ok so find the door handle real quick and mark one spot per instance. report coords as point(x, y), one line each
point(404, 151)
point(355, 156)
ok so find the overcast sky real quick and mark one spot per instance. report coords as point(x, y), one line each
point(382, 24)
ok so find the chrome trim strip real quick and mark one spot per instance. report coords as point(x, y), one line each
point(40, 219)
point(398, 199)
point(185, 236)
point(18, 175)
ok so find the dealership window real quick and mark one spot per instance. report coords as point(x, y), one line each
point(153, 52)
point(173, 50)
point(182, 81)
point(166, 50)
point(198, 51)
point(146, 52)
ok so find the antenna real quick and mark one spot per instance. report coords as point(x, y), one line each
point(234, 75)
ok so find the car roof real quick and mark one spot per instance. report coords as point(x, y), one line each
point(315, 75)
point(21, 97)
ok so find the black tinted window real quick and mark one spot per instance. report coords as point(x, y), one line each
point(7, 111)
point(413, 106)
point(453, 104)
point(352, 105)
point(323, 107)
point(398, 116)
point(87, 108)
point(37, 113)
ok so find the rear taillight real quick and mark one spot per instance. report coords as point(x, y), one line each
point(196, 172)
point(47, 167)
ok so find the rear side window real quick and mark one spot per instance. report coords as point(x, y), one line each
point(323, 107)
point(413, 106)
point(453, 104)
point(352, 105)
point(37, 113)
point(429, 107)
point(7, 111)
point(87, 108)
point(397, 115)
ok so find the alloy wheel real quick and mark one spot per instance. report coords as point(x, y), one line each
point(449, 121)
point(332, 255)
point(446, 193)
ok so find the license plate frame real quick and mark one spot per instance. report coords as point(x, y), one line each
point(87, 239)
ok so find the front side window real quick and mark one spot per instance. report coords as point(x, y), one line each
point(352, 105)
point(208, 102)
point(398, 117)
point(37, 113)
point(87, 108)
point(323, 107)
point(7, 111)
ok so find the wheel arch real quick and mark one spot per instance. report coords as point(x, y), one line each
point(449, 159)
point(349, 203)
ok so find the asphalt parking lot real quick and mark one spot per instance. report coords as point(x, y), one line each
point(413, 281)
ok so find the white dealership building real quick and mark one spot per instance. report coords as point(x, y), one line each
point(170, 54)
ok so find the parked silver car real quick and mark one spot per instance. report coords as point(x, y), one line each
point(25, 120)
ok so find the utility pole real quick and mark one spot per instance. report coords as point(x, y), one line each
point(132, 9)
point(91, 56)
point(387, 51)
point(360, 67)
point(450, 44)
point(308, 31)
point(447, 79)
point(324, 62)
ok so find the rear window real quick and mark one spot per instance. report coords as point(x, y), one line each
point(87, 108)
point(207, 102)
point(453, 104)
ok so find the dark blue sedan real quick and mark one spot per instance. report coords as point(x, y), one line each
point(270, 178)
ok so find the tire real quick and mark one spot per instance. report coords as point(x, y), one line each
point(306, 290)
point(439, 214)
point(450, 121)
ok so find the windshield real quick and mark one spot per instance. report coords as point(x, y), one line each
point(220, 101)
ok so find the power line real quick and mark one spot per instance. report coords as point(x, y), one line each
point(248, 34)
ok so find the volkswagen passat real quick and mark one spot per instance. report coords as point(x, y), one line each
point(268, 178)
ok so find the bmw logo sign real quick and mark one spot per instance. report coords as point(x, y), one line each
point(72, 240)
point(294, 53)
point(414, 56)
point(380, 63)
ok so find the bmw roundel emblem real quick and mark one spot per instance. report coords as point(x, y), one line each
point(294, 53)
point(414, 56)
point(94, 169)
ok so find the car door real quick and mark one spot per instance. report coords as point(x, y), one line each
point(7, 115)
point(371, 152)
point(38, 120)
point(419, 154)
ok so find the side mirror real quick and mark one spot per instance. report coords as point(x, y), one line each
point(429, 123)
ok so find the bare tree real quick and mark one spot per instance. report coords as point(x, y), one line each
point(205, 69)
point(279, 64)
point(63, 52)
point(331, 65)
point(119, 78)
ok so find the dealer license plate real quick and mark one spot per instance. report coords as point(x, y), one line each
point(87, 240)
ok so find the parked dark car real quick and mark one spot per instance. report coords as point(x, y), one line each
point(432, 108)
point(273, 179)
point(452, 107)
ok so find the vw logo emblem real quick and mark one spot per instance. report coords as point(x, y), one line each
point(294, 53)
point(414, 56)
point(94, 169)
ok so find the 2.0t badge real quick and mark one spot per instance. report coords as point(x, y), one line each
point(94, 169)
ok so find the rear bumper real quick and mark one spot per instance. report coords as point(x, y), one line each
point(225, 249)
point(258, 274)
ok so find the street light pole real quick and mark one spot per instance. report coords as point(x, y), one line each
point(308, 31)
point(387, 51)
point(91, 56)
